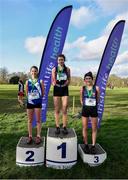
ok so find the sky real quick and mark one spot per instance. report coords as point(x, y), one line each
point(24, 25)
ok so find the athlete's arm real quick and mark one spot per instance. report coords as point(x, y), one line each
point(98, 93)
point(42, 87)
point(54, 76)
point(26, 88)
point(69, 77)
point(23, 88)
point(81, 96)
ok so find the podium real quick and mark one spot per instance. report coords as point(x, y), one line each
point(61, 150)
point(30, 154)
point(93, 159)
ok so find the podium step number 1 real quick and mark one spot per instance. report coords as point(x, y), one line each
point(61, 150)
point(30, 155)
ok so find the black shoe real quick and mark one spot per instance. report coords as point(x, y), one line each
point(57, 131)
point(93, 150)
point(65, 131)
point(86, 149)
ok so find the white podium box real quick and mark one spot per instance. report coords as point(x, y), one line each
point(61, 150)
point(30, 154)
point(93, 159)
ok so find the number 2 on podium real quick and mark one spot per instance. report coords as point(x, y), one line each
point(63, 152)
point(31, 154)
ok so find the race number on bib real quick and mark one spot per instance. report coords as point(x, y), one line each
point(62, 77)
point(90, 102)
point(33, 96)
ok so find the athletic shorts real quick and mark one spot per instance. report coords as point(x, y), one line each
point(20, 94)
point(89, 111)
point(60, 91)
point(32, 106)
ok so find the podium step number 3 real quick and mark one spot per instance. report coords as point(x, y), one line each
point(93, 159)
point(61, 150)
point(30, 155)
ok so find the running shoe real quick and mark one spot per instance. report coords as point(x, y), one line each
point(38, 140)
point(93, 149)
point(29, 140)
point(57, 131)
point(86, 148)
point(65, 131)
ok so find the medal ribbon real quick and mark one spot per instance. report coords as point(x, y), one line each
point(60, 72)
point(89, 92)
point(34, 81)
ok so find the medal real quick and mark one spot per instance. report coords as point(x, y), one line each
point(59, 72)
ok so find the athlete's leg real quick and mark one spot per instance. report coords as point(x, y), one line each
point(85, 128)
point(38, 120)
point(30, 113)
point(94, 130)
point(64, 109)
point(20, 100)
point(56, 109)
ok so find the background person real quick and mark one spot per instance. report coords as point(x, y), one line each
point(20, 92)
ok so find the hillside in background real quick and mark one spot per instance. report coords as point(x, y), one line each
point(113, 81)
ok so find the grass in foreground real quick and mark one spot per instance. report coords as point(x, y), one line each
point(113, 136)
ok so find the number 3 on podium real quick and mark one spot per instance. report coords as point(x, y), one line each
point(96, 159)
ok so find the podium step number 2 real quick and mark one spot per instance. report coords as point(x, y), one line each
point(30, 155)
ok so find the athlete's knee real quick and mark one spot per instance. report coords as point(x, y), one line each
point(30, 121)
point(57, 111)
point(64, 109)
point(38, 121)
point(94, 129)
point(85, 128)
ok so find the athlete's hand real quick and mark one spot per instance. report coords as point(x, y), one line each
point(82, 103)
point(66, 83)
point(53, 83)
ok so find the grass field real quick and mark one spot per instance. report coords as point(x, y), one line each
point(113, 136)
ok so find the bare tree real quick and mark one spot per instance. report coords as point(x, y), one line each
point(3, 75)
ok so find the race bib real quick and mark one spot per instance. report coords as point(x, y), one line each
point(62, 76)
point(90, 102)
point(33, 96)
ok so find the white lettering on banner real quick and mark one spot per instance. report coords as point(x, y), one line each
point(57, 40)
point(102, 94)
point(47, 77)
point(114, 49)
point(43, 105)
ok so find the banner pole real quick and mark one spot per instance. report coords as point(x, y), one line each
point(73, 105)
